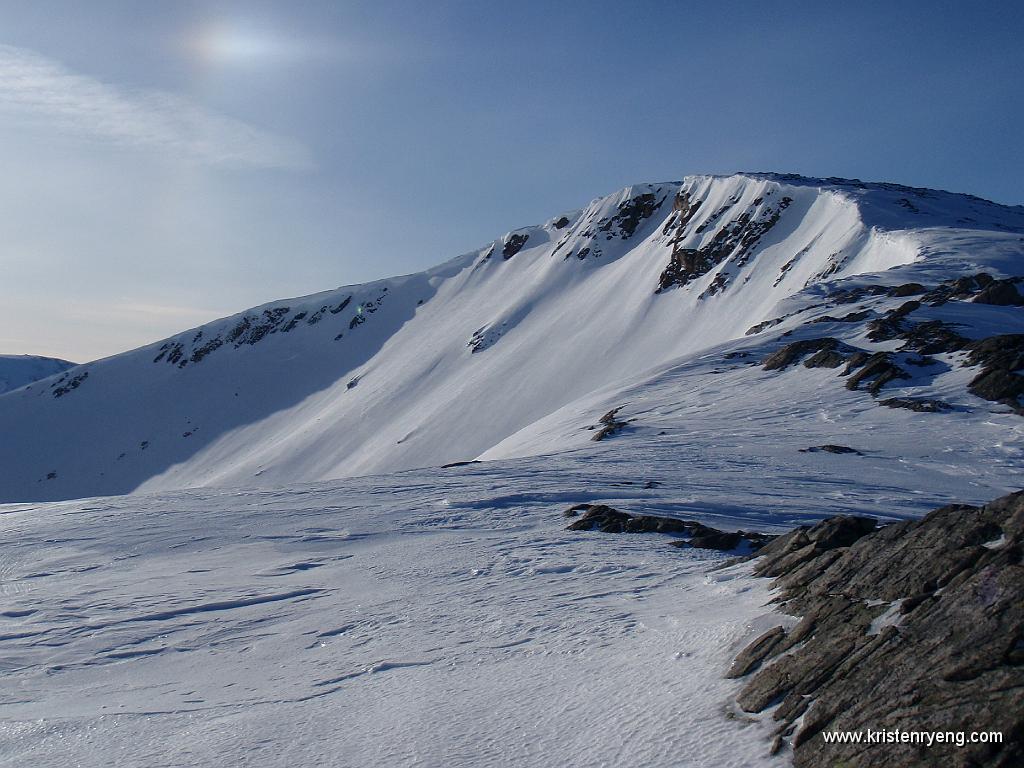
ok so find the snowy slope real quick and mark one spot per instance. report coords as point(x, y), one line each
point(480, 355)
point(18, 370)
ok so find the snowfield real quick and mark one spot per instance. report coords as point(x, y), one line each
point(433, 617)
point(420, 619)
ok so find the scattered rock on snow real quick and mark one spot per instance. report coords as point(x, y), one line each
point(919, 404)
point(607, 519)
point(609, 425)
point(64, 385)
point(964, 287)
point(735, 241)
point(878, 370)
point(794, 352)
point(829, 448)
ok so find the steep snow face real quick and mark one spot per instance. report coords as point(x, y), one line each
point(18, 370)
point(447, 364)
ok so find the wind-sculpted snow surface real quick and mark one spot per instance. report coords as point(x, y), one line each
point(480, 356)
point(428, 618)
point(435, 617)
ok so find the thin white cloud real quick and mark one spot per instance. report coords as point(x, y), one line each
point(43, 90)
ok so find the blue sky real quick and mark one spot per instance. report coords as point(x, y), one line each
point(169, 163)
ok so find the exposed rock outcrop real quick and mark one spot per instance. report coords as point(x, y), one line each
point(607, 519)
point(623, 224)
point(876, 371)
point(919, 404)
point(964, 288)
point(513, 245)
point(734, 241)
point(66, 384)
point(1003, 293)
point(608, 425)
point(999, 357)
point(830, 448)
point(916, 626)
point(798, 350)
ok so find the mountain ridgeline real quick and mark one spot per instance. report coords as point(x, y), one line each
point(907, 296)
point(18, 370)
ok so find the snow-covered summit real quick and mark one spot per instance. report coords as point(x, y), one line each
point(486, 354)
point(898, 205)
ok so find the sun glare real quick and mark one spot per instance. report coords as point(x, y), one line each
point(225, 43)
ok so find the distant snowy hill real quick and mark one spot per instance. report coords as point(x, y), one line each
point(662, 301)
point(18, 370)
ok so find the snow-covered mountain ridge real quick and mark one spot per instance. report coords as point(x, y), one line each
point(18, 370)
point(516, 348)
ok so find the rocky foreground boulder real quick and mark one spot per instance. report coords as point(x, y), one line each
point(912, 627)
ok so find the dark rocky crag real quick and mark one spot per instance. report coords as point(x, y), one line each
point(916, 626)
